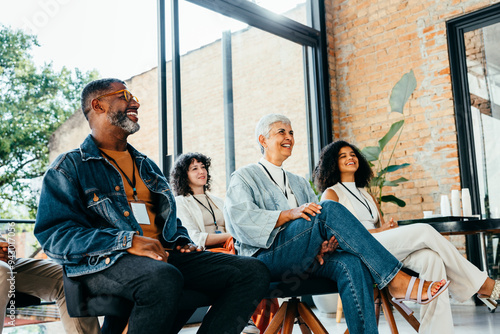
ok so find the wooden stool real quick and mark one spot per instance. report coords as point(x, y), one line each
point(291, 310)
point(383, 299)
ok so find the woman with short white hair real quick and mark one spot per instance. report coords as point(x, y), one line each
point(273, 216)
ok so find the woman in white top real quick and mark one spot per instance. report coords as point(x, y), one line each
point(342, 174)
point(199, 211)
point(201, 214)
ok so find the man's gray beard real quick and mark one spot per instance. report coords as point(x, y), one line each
point(122, 121)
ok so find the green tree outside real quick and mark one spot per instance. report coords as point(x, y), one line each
point(34, 102)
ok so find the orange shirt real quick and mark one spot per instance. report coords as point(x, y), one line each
point(124, 160)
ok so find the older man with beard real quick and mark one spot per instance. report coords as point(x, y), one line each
point(108, 215)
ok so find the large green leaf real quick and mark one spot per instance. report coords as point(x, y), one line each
point(402, 92)
point(392, 168)
point(371, 153)
point(395, 183)
point(391, 133)
point(376, 181)
point(394, 199)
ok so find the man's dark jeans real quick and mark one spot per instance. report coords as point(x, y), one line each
point(155, 288)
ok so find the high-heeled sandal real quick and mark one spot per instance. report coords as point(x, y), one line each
point(430, 297)
point(491, 300)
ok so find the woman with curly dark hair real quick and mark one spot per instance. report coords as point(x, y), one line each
point(199, 211)
point(201, 214)
point(327, 172)
point(342, 174)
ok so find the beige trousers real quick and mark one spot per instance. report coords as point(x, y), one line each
point(422, 249)
point(41, 278)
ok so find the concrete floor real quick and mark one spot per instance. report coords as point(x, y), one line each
point(468, 319)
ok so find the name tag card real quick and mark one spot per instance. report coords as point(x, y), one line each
point(140, 213)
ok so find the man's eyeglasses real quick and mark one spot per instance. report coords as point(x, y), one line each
point(128, 95)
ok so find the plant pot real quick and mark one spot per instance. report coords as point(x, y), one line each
point(326, 304)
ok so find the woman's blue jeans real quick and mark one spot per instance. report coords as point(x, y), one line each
point(360, 261)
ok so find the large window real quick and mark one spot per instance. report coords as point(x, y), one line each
point(235, 61)
point(474, 41)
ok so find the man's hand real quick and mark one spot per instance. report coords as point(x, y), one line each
point(149, 247)
point(327, 246)
point(188, 248)
point(4, 251)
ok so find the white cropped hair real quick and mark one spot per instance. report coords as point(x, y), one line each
point(265, 124)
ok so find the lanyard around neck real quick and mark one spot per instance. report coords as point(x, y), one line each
point(365, 204)
point(284, 179)
point(131, 183)
point(211, 210)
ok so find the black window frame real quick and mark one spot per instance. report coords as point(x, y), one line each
point(314, 42)
point(461, 95)
point(456, 28)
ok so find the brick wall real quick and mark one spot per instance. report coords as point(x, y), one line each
point(371, 45)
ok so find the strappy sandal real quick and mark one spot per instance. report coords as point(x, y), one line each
point(491, 300)
point(430, 297)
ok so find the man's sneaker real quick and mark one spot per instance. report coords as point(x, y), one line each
point(250, 328)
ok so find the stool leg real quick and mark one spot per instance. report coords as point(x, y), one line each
point(378, 303)
point(311, 320)
point(410, 318)
point(339, 310)
point(291, 314)
point(388, 312)
point(303, 326)
point(277, 321)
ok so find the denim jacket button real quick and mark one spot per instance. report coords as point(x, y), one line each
point(126, 213)
point(107, 261)
point(117, 188)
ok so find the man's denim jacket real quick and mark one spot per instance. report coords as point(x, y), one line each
point(84, 221)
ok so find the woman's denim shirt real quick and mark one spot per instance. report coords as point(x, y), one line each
point(254, 203)
point(84, 221)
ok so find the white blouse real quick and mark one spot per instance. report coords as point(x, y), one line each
point(278, 176)
point(357, 196)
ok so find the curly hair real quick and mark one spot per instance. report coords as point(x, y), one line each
point(327, 172)
point(179, 177)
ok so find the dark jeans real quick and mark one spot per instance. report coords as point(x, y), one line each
point(155, 288)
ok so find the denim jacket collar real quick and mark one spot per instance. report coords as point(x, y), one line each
point(90, 150)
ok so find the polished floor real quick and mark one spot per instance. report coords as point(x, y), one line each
point(468, 319)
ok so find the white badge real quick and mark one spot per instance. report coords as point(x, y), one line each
point(140, 213)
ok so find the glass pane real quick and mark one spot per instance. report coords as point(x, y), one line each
point(483, 67)
point(124, 39)
point(267, 77)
